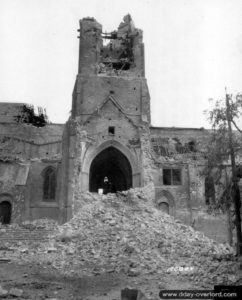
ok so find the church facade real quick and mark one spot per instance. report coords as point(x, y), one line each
point(108, 137)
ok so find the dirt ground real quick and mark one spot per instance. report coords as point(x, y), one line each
point(38, 282)
point(45, 283)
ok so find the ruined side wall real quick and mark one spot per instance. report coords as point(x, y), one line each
point(189, 197)
point(176, 151)
point(38, 207)
point(21, 141)
point(12, 188)
point(46, 134)
point(22, 183)
point(183, 135)
point(8, 111)
point(25, 151)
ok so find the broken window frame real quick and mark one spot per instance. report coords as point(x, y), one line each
point(173, 176)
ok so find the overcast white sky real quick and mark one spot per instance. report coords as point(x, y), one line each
point(193, 50)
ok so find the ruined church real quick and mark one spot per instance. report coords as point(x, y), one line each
point(108, 139)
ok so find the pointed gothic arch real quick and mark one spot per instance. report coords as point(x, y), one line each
point(130, 159)
point(113, 165)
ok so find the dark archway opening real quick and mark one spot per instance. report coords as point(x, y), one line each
point(164, 206)
point(5, 212)
point(114, 165)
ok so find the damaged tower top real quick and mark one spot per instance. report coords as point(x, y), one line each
point(118, 53)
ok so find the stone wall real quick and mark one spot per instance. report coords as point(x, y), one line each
point(12, 188)
point(38, 207)
point(8, 111)
point(25, 151)
point(21, 141)
point(93, 91)
point(185, 148)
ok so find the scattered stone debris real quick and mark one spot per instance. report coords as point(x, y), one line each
point(125, 233)
point(16, 292)
point(3, 292)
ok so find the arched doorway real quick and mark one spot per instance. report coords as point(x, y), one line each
point(165, 201)
point(164, 206)
point(114, 165)
point(5, 212)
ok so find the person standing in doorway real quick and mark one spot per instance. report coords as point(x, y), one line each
point(106, 185)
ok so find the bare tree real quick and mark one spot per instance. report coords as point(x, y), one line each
point(225, 143)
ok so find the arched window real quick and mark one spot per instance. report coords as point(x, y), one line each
point(49, 186)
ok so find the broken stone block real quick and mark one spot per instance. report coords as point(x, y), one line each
point(70, 251)
point(25, 250)
point(112, 222)
point(16, 292)
point(51, 249)
point(232, 278)
point(133, 272)
point(3, 292)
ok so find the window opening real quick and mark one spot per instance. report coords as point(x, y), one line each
point(49, 187)
point(172, 176)
point(5, 212)
point(111, 130)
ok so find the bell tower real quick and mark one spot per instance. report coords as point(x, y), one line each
point(110, 110)
point(111, 64)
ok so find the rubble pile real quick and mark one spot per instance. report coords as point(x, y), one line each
point(40, 224)
point(124, 232)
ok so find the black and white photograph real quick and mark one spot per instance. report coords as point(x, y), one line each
point(120, 149)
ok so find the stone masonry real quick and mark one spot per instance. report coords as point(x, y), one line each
point(44, 170)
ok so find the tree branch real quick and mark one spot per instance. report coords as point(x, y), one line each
point(236, 126)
